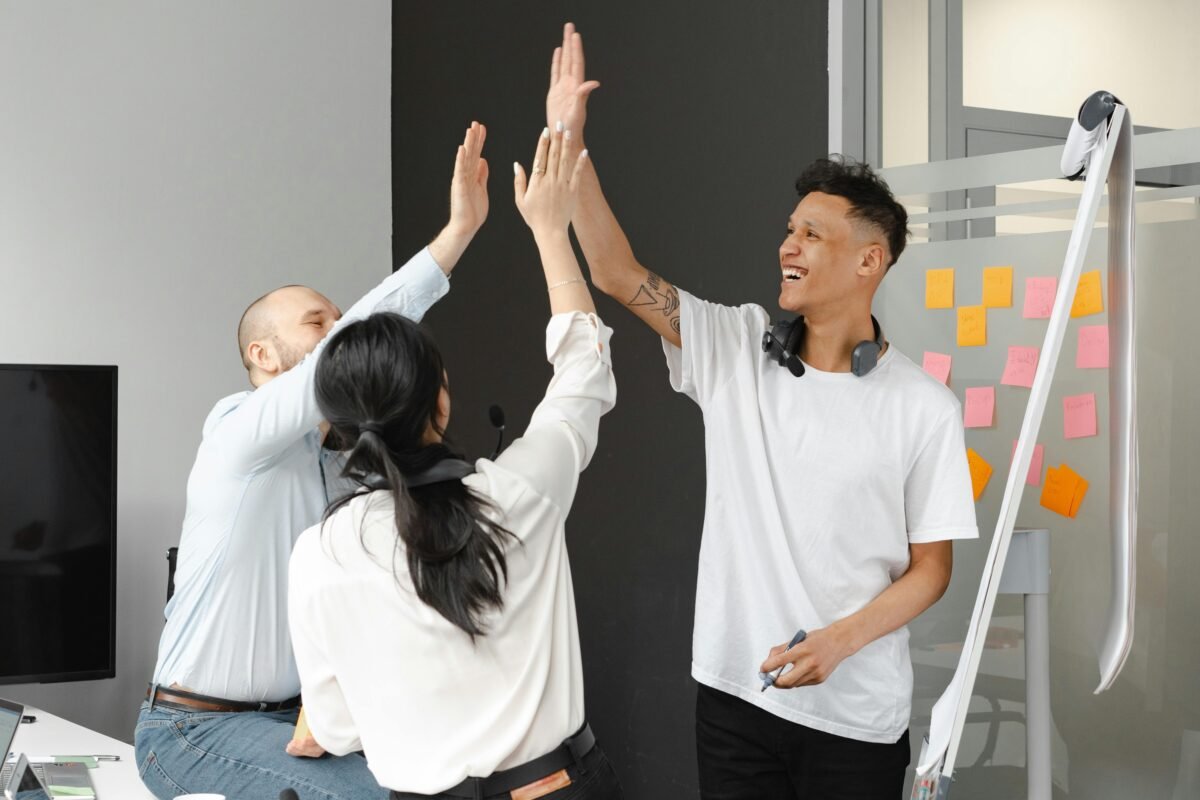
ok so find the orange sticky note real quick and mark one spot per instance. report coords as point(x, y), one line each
point(1092, 352)
point(939, 288)
point(997, 287)
point(972, 326)
point(1034, 477)
point(1088, 299)
point(980, 407)
point(981, 472)
point(1063, 491)
point(937, 365)
point(1020, 367)
point(1079, 416)
point(1039, 297)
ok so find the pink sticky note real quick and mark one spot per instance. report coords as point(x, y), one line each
point(1079, 416)
point(937, 365)
point(980, 408)
point(1093, 347)
point(1022, 364)
point(1034, 478)
point(1039, 297)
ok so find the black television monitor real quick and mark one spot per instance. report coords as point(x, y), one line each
point(58, 523)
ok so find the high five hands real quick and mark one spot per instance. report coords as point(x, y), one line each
point(546, 199)
point(566, 99)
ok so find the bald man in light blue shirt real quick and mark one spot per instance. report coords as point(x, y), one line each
point(223, 702)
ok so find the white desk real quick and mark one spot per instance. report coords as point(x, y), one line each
point(55, 736)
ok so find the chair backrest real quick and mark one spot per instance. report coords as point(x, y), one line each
point(172, 556)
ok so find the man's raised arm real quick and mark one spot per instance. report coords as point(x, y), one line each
point(615, 270)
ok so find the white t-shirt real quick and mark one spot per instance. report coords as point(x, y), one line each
point(385, 673)
point(816, 487)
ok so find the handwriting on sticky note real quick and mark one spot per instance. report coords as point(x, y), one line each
point(997, 287)
point(1079, 416)
point(939, 288)
point(1020, 367)
point(981, 472)
point(937, 365)
point(1034, 476)
point(1039, 297)
point(1088, 299)
point(1063, 491)
point(980, 407)
point(1093, 347)
point(972, 326)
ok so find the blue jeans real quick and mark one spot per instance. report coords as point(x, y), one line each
point(240, 755)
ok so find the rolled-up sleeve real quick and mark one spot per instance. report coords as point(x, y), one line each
point(563, 432)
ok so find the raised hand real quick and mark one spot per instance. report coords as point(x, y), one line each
point(566, 99)
point(546, 200)
point(468, 187)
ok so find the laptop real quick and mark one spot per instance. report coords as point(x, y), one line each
point(55, 779)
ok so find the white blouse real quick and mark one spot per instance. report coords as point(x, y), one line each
point(383, 672)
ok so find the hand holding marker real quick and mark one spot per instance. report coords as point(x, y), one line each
point(768, 679)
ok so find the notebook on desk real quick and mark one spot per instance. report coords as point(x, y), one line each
point(55, 779)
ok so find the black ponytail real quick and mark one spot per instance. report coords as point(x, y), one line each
point(377, 383)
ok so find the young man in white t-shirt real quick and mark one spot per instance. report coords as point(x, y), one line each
point(833, 496)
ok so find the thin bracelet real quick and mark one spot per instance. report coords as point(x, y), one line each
point(564, 283)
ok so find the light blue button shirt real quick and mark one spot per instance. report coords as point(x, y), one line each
point(257, 483)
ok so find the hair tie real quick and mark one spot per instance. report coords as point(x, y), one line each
point(373, 427)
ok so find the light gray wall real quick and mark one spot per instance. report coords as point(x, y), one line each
point(161, 165)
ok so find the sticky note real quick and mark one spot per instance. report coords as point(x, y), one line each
point(1092, 352)
point(939, 288)
point(302, 732)
point(1079, 416)
point(1039, 297)
point(937, 365)
point(1063, 491)
point(1021, 366)
point(980, 407)
point(972, 326)
point(997, 287)
point(981, 472)
point(1088, 299)
point(1034, 478)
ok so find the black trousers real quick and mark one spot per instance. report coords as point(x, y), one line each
point(746, 753)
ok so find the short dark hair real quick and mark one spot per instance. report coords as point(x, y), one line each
point(871, 200)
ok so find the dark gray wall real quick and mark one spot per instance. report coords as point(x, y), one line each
point(707, 112)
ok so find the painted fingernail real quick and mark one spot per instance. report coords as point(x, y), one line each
point(545, 133)
point(583, 154)
point(566, 135)
point(516, 168)
point(558, 126)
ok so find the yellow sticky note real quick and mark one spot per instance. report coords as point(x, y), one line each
point(301, 733)
point(997, 287)
point(972, 326)
point(981, 472)
point(1088, 298)
point(939, 288)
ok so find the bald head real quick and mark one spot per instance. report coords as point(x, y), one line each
point(280, 328)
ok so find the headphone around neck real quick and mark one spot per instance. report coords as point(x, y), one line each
point(783, 342)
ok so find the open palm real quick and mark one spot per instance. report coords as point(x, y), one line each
point(566, 99)
point(468, 187)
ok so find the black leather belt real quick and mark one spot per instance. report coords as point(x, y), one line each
point(572, 751)
point(190, 701)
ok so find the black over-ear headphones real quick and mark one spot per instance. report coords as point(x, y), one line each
point(783, 342)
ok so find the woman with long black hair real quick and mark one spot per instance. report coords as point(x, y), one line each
point(432, 612)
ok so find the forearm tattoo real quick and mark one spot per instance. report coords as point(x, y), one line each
point(654, 297)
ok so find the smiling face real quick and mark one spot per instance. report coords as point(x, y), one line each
point(279, 329)
point(829, 259)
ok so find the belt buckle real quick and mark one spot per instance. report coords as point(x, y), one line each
point(542, 786)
